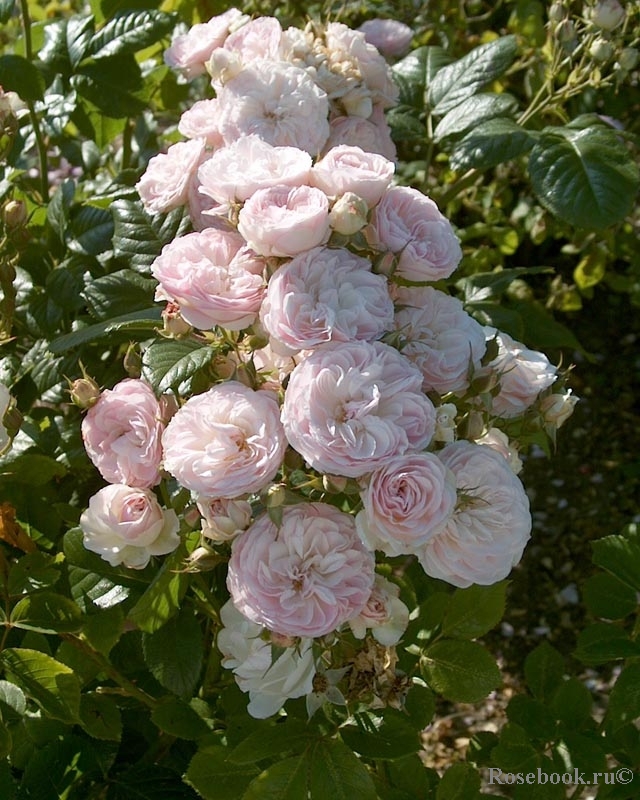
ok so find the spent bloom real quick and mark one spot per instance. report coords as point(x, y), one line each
point(225, 442)
point(122, 434)
point(305, 577)
point(126, 525)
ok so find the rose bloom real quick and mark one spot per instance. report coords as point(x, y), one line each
point(284, 221)
point(248, 164)
point(390, 37)
point(346, 46)
point(349, 169)
point(498, 441)
point(277, 101)
point(199, 122)
point(226, 442)
point(326, 294)
point(487, 534)
point(190, 51)
point(223, 519)
point(409, 224)
point(373, 135)
point(304, 577)
point(349, 407)
point(384, 614)
point(122, 434)
point(258, 39)
point(126, 525)
point(212, 278)
point(522, 375)
point(439, 337)
point(165, 183)
point(269, 682)
point(406, 502)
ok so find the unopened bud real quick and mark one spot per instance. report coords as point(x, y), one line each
point(175, 326)
point(84, 392)
point(471, 426)
point(276, 496)
point(557, 408)
point(607, 14)
point(557, 12)
point(566, 35)
point(349, 214)
point(14, 214)
point(334, 484)
point(223, 65)
point(132, 362)
point(628, 59)
point(601, 50)
point(281, 639)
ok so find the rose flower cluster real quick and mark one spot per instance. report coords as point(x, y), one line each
point(359, 411)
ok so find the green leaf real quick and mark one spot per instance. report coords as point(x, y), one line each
point(270, 740)
point(58, 210)
point(90, 231)
point(585, 177)
point(532, 716)
point(177, 718)
point(8, 787)
point(13, 703)
point(572, 703)
point(124, 290)
point(420, 705)
point(620, 556)
point(542, 330)
point(491, 143)
point(607, 597)
point(152, 782)
point(79, 32)
point(602, 642)
point(459, 782)
point(582, 753)
point(17, 74)
point(46, 612)
point(515, 753)
point(624, 701)
point(472, 112)
point(34, 469)
point(173, 653)
point(53, 770)
point(416, 71)
point(389, 737)
point(485, 285)
point(51, 684)
point(338, 774)
point(144, 322)
point(544, 670)
point(591, 269)
point(138, 237)
point(104, 629)
point(108, 97)
point(33, 571)
point(6, 10)
point(161, 601)
point(284, 780)
point(460, 671)
point(100, 716)
point(410, 775)
point(474, 611)
point(169, 362)
point(462, 79)
point(216, 778)
point(131, 31)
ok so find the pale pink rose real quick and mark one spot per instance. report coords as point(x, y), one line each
point(522, 374)
point(126, 525)
point(349, 169)
point(223, 519)
point(349, 407)
point(165, 183)
point(347, 45)
point(385, 615)
point(277, 101)
point(284, 220)
point(326, 294)
point(122, 434)
point(212, 278)
point(499, 441)
point(199, 122)
point(304, 577)
point(439, 337)
point(269, 679)
point(205, 212)
point(487, 534)
point(190, 51)
point(258, 39)
point(406, 502)
point(248, 164)
point(408, 223)
point(372, 135)
point(226, 442)
point(389, 36)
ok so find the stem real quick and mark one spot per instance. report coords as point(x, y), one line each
point(466, 180)
point(26, 28)
point(128, 688)
point(127, 134)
